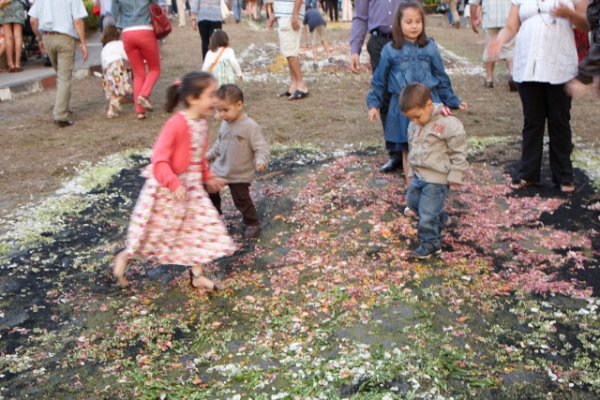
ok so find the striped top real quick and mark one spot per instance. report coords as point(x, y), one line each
point(495, 12)
point(206, 10)
point(285, 8)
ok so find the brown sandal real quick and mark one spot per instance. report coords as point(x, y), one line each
point(519, 184)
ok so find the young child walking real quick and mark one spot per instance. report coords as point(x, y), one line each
point(410, 57)
point(220, 59)
point(115, 70)
point(240, 149)
point(437, 159)
point(174, 221)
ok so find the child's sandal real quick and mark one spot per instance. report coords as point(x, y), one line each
point(215, 286)
point(117, 270)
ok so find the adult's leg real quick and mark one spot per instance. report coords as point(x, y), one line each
point(64, 50)
point(533, 98)
point(237, 10)
point(9, 39)
point(136, 60)
point(206, 28)
point(181, 12)
point(18, 34)
point(489, 71)
point(296, 74)
point(240, 193)
point(148, 46)
point(454, 12)
point(431, 208)
point(558, 104)
point(215, 198)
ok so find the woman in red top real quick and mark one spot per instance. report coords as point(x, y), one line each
point(174, 221)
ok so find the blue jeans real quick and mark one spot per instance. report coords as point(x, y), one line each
point(427, 200)
point(237, 9)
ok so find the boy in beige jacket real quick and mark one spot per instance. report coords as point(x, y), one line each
point(240, 149)
point(437, 157)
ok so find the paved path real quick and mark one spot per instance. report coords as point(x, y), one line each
point(35, 77)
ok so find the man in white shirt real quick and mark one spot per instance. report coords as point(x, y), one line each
point(59, 24)
point(290, 14)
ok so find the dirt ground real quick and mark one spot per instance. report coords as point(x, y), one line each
point(37, 156)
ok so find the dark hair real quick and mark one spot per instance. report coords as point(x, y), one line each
point(414, 95)
point(193, 84)
point(109, 34)
point(218, 39)
point(398, 41)
point(230, 92)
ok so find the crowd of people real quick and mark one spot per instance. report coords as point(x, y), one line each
point(176, 219)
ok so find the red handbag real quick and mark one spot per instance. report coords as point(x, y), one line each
point(160, 21)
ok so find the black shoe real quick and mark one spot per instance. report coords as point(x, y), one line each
point(391, 165)
point(512, 85)
point(47, 62)
point(64, 123)
point(251, 231)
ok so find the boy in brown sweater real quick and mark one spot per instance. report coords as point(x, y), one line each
point(240, 150)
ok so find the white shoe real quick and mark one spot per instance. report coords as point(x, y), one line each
point(409, 213)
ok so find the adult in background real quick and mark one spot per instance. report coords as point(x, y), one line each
point(141, 46)
point(494, 14)
point(208, 17)
point(290, 14)
point(545, 59)
point(12, 19)
point(375, 17)
point(59, 24)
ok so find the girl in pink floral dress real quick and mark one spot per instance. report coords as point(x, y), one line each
point(174, 221)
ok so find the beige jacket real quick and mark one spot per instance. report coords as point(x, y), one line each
point(438, 150)
point(240, 148)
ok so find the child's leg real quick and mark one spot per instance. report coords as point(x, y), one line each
point(413, 193)
point(199, 281)
point(240, 192)
point(215, 198)
point(431, 207)
point(405, 166)
point(326, 47)
point(119, 266)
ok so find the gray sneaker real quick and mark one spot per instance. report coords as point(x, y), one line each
point(410, 213)
point(425, 250)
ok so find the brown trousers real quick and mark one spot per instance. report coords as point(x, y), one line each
point(240, 193)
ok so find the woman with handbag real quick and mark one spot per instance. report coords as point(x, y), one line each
point(141, 44)
point(12, 19)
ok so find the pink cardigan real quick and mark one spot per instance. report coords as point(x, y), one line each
point(171, 155)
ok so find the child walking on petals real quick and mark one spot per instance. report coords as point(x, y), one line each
point(220, 59)
point(437, 158)
point(410, 57)
point(115, 68)
point(174, 221)
point(240, 149)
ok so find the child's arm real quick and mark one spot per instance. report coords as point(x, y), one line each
point(456, 140)
point(161, 158)
point(379, 83)
point(444, 87)
point(236, 65)
point(260, 147)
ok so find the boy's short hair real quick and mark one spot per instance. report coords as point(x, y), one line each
point(230, 92)
point(414, 95)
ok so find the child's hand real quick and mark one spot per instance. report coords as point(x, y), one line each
point(180, 193)
point(454, 186)
point(373, 114)
point(260, 167)
point(463, 106)
point(214, 184)
point(576, 88)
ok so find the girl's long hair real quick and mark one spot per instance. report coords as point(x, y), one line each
point(398, 41)
point(110, 33)
point(193, 84)
point(218, 39)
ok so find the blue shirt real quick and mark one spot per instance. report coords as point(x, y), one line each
point(130, 13)
point(313, 19)
point(399, 67)
point(58, 15)
point(370, 15)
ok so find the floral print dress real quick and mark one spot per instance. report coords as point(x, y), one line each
point(189, 232)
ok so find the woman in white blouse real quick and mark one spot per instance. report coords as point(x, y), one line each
point(545, 58)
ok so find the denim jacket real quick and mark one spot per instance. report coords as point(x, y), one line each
point(590, 65)
point(399, 67)
point(129, 13)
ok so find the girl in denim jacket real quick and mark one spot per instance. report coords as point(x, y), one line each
point(411, 57)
